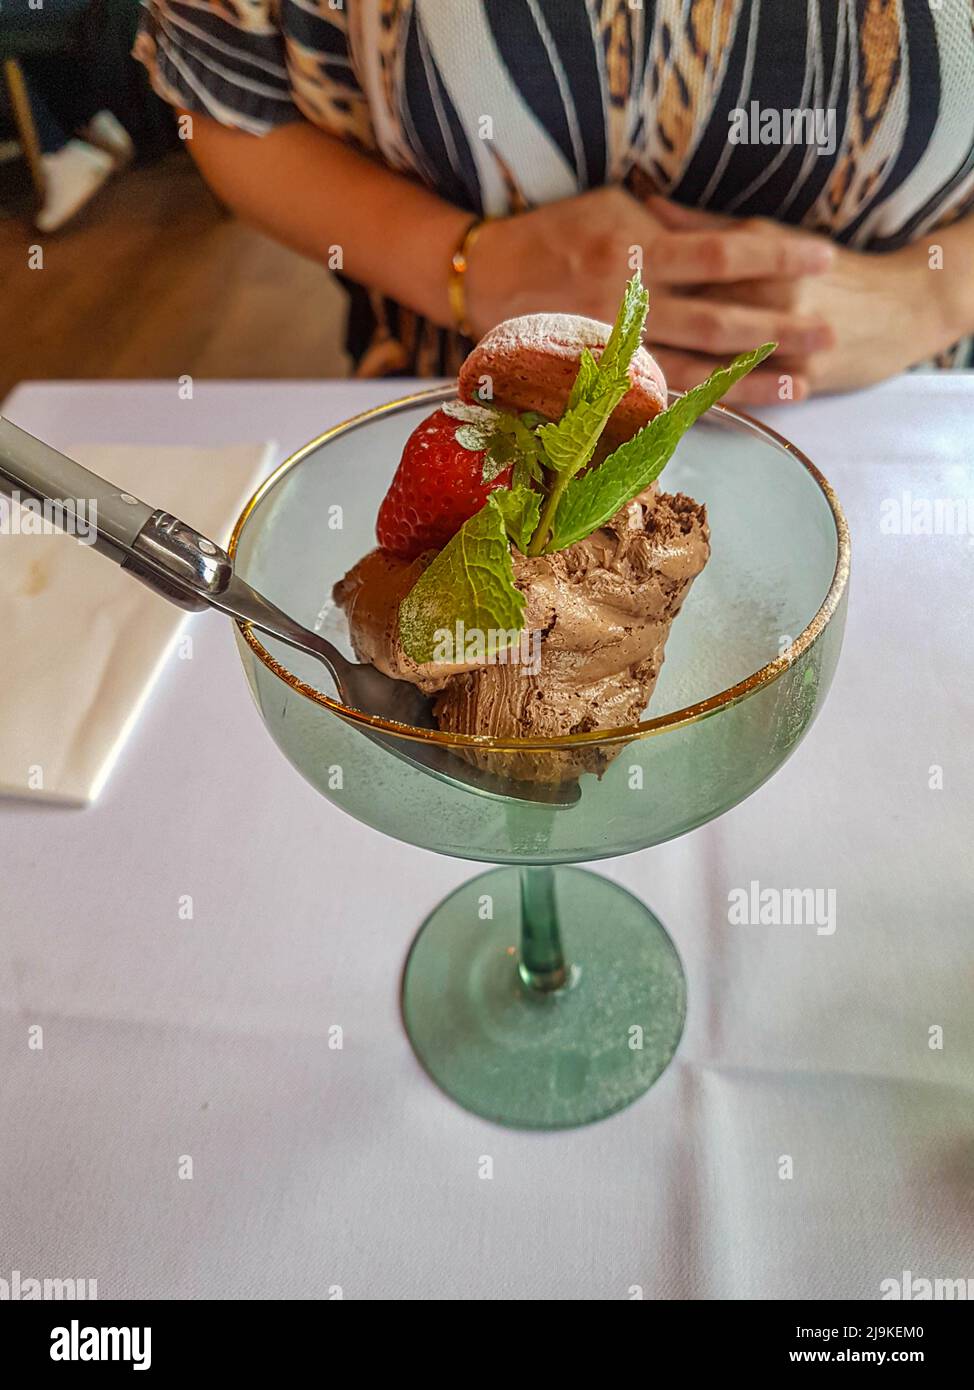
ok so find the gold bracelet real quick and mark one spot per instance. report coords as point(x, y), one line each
point(459, 264)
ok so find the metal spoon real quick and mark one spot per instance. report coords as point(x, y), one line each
point(195, 573)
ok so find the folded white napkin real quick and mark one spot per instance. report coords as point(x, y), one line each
point(83, 643)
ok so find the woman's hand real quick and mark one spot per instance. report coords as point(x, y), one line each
point(572, 257)
point(884, 311)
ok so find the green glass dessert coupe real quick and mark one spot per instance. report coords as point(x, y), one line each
point(541, 995)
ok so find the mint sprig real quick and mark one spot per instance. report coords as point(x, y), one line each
point(626, 335)
point(583, 387)
point(471, 581)
point(598, 388)
point(590, 501)
point(520, 507)
point(550, 504)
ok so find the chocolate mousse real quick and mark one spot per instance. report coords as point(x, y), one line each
point(599, 613)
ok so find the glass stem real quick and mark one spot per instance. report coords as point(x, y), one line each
point(542, 964)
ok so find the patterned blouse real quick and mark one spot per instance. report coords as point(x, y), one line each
point(500, 105)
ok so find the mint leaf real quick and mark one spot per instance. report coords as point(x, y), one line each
point(590, 501)
point(471, 581)
point(570, 443)
point(583, 387)
point(627, 333)
point(598, 388)
point(527, 470)
point(521, 507)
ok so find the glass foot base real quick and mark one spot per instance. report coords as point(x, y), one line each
point(533, 1059)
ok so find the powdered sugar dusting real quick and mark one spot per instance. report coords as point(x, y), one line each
point(564, 333)
point(564, 336)
point(481, 415)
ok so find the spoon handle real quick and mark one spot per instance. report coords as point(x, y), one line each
point(167, 554)
point(31, 470)
point(164, 552)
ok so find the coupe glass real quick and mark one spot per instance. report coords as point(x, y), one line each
point(538, 995)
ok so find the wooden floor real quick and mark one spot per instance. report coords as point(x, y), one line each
point(154, 280)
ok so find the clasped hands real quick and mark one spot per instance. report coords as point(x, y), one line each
point(719, 286)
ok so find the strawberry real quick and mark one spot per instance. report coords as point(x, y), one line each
point(439, 485)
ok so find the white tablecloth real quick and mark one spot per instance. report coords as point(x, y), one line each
point(316, 1170)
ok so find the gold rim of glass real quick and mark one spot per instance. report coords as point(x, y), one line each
point(690, 714)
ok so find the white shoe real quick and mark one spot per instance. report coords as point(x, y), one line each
point(108, 134)
point(72, 176)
